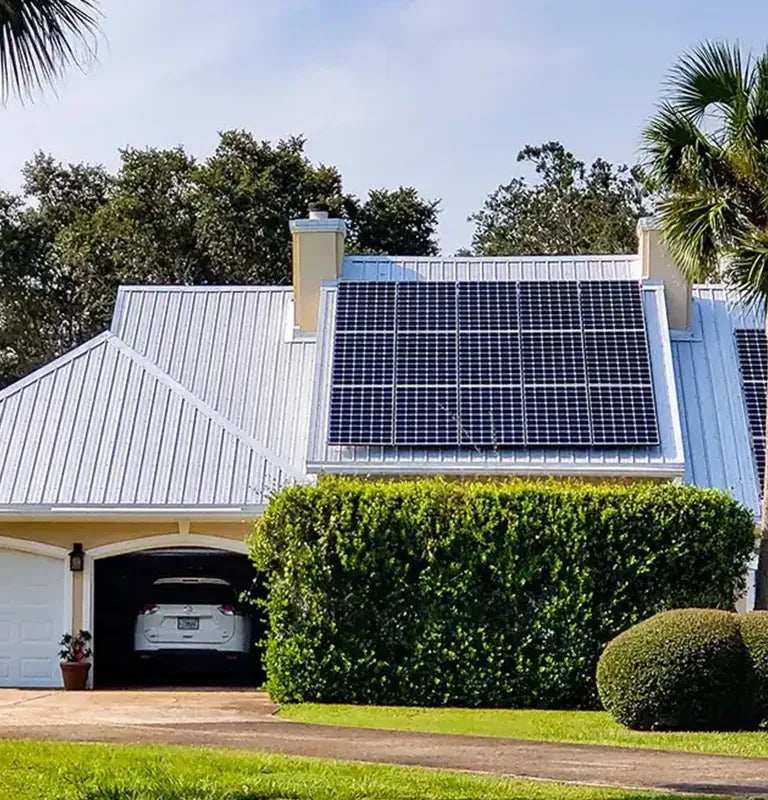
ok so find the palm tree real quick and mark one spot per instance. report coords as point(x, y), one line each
point(707, 150)
point(40, 38)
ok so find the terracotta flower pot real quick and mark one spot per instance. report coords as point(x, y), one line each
point(75, 675)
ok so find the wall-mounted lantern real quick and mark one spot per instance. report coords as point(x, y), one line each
point(77, 558)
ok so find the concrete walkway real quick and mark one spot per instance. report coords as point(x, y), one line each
point(244, 721)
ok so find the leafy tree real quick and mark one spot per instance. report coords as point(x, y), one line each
point(707, 150)
point(76, 232)
point(569, 210)
point(40, 38)
point(397, 222)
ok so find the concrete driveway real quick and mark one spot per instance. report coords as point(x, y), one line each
point(243, 720)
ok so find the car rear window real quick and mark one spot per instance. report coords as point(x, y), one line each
point(202, 594)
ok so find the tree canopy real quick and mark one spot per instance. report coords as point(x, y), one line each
point(568, 210)
point(75, 232)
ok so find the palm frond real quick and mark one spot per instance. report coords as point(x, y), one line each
point(39, 38)
point(746, 268)
point(698, 227)
point(711, 74)
point(678, 153)
point(758, 101)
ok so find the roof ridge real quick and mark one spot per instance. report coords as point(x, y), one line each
point(51, 366)
point(153, 369)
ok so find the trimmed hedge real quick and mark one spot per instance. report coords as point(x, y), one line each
point(680, 670)
point(479, 593)
point(754, 632)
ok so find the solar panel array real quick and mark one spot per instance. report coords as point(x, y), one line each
point(512, 364)
point(753, 362)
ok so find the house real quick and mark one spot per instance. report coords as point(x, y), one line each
point(170, 430)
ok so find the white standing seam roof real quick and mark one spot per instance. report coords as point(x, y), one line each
point(191, 402)
point(718, 445)
point(530, 268)
point(664, 460)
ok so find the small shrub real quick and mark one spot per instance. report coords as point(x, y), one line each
point(486, 593)
point(679, 670)
point(754, 632)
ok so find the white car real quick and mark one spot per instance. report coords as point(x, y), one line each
point(188, 616)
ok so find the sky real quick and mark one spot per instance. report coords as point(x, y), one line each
point(438, 94)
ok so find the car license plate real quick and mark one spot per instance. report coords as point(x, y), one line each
point(188, 623)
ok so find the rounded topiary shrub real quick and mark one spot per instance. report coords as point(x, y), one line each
point(754, 632)
point(679, 670)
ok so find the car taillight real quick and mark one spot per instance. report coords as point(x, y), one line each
point(228, 610)
point(150, 608)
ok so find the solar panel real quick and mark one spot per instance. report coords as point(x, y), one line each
point(491, 415)
point(753, 363)
point(553, 304)
point(365, 306)
point(552, 357)
point(360, 415)
point(365, 357)
point(426, 415)
point(617, 357)
point(622, 415)
point(556, 415)
point(611, 304)
point(489, 357)
point(492, 364)
point(425, 358)
point(487, 306)
point(426, 306)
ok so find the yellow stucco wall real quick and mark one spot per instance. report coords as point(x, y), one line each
point(317, 257)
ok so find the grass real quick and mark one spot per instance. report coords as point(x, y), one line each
point(580, 727)
point(48, 771)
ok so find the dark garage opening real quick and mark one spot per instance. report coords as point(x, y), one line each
point(124, 585)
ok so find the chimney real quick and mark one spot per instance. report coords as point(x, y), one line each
point(318, 253)
point(657, 265)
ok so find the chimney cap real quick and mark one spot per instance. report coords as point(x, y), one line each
point(318, 210)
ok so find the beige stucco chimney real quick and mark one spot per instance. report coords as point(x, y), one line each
point(318, 253)
point(657, 265)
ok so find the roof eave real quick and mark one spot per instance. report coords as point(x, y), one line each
point(668, 471)
point(43, 513)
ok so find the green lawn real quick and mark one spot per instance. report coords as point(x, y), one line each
point(582, 727)
point(47, 771)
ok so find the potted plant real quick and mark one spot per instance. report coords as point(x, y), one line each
point(74, 650)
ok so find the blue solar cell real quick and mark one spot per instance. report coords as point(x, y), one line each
point(425, 358)
point(611, 304)
point(752, 349)
point(617, 356)
point(557, 415)
point(552, 357)
point(623, 415)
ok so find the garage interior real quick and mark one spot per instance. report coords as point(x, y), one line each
point(123, 586)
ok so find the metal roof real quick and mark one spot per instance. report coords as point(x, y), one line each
point(665, 460)
point(227, 345)
point(532, 268)
point(174, 424)
point(718, 449)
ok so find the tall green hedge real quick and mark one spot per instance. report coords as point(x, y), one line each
point(483, 593)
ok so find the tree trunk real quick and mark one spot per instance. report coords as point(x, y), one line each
point(761, 579)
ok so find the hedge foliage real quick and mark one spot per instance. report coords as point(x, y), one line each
point(434, 592)
point(754, 631)
point(687, 669)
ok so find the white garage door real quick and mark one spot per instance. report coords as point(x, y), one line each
point(31, 618)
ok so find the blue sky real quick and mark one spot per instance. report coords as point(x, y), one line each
point(440, 94)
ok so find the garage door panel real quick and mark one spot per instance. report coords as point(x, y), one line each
point(31, 617)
